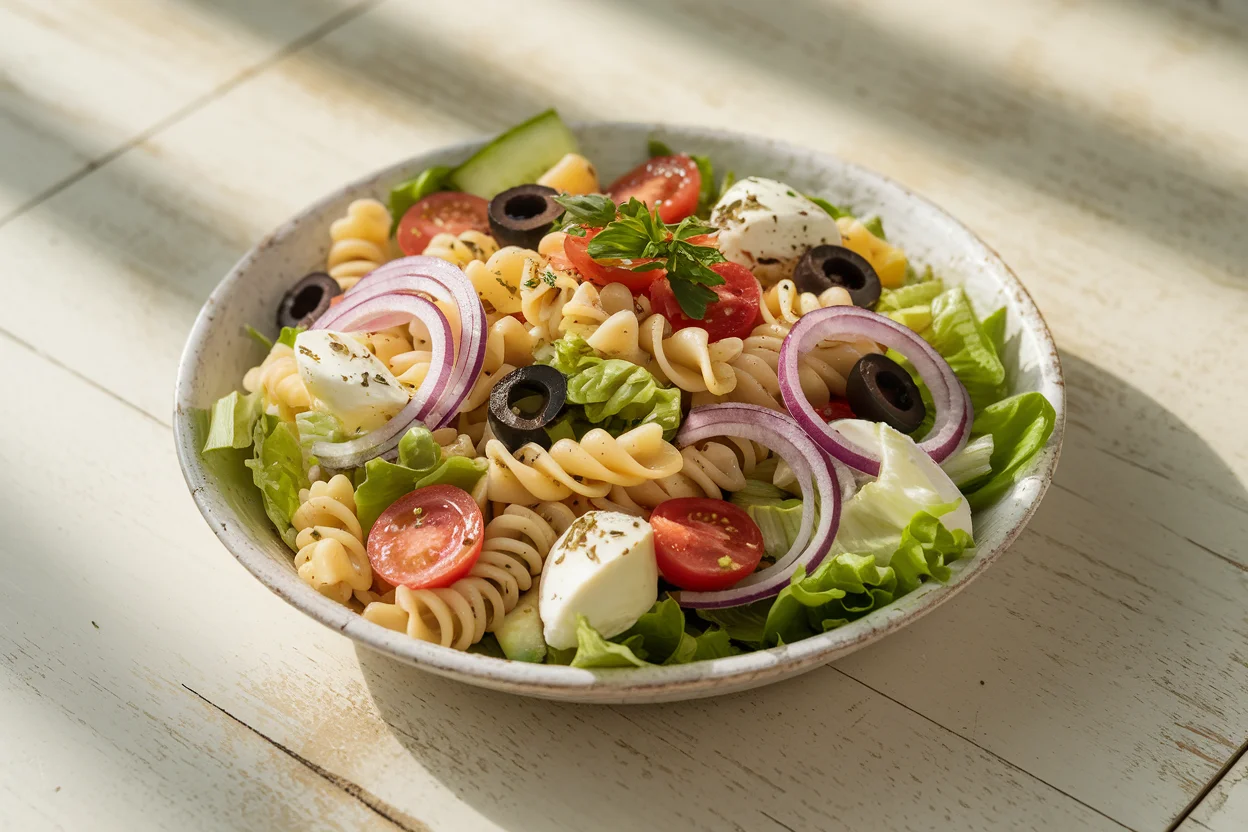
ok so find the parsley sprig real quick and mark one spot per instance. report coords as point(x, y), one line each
point(632, 232)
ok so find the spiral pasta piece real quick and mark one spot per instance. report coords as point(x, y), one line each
point(513, 552)
point(543, 295)
point(783, 304)
point(361, 242)
point(331, 557)
point(551, 243)
point(277, 379)
point(687, 359)
point(607, 319)
point(468, 247)
point(497, 280)
point(507, 347)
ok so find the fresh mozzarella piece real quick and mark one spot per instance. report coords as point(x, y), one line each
point(767, 226)
point(602, 567)
point(909, 482)
point(347, 380)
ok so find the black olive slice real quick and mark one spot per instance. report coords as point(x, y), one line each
point(823, 267)
point(307, 300)
point(522, 215)
point(524, 402)
point(880, 390)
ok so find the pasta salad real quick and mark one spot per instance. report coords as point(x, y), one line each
point(675, 418)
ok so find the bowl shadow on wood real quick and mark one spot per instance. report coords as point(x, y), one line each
point(532, 764)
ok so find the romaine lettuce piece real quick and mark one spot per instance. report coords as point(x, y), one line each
point(910, 294)
point(420, 464)
point(844, 588)
point(277, 470)
point(1019, 426)
point(927, 548)
point(314, 426)
point(960, 338)
point(615, 394)
point(872, 522)
point(658, 637)
point(232, 422)
point(594, 651)
point(777, 515)
point(406, 194)
point(972, 463)
point(744, 623)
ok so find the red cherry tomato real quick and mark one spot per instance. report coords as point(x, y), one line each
point(427, 539)
point(669, 183)
point(705, 545)
point(732, 316)
point(576, 249)
point(836, 408)
point(449, 211)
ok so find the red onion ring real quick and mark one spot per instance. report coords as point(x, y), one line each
point(378, 313)
point(785, 437)
point(435, 278)
point(952, 425)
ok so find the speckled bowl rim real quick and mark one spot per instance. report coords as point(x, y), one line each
point(650, 684)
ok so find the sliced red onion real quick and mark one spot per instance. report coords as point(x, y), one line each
point(953, 411)
point(378, 313)
point(435, 278)
point(785, 437)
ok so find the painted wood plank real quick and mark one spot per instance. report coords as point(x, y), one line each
point(83, 77)
point(1225, 808)
point(100, 633)
point(143, 667)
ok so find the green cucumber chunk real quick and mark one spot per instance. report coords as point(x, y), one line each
point(517, 157)
point(520, 633)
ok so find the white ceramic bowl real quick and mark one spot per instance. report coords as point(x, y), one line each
point(218, 352)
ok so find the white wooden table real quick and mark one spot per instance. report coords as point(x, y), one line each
point(1096, 678)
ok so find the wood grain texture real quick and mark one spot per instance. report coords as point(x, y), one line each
point(1102, 148)
point(1225, 808)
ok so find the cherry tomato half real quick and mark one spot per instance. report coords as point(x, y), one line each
point(427, 539)
point(836, 408)
point(732, 316)
point(576, 249)
point(669, 183)
point(705, 545)
point(448, 211)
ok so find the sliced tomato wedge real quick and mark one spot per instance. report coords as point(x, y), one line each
point(669, 183)
point(601, 274)
point(705, 545)
point(836, 408)
point(427, 539)
point(446, 212)
point(732, 316)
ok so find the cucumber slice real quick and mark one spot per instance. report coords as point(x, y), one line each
point(520, 633)
point(517, 157)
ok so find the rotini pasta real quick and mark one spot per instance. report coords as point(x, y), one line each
point(507, 347)
point(709, 470)
point(468, 247)
point(588, 468)
point(498, 279)
point(513, 552)
point(607, 320)
point(277, 379)
point(687, 359)
point(331, 557)
point(783, 304)
point(543, 294)
point(361, 242)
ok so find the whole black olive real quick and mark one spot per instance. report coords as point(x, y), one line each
point(307, 300)
point(522, 215)
point(524, 402)
point(879, 389)
point(823, 267)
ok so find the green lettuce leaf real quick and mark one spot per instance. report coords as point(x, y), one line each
point(708, 195)
point(662, 633)
point(594, 651)
point(259, 337)
point(288, 334)
point(615, 394)
point(232, 422)
point(875, 225)
point(744, 623)
point(1019, 426)
point(314, 426)
point(406, 194)
point(833, 211)
point(842, 589)
point(971, 464)
point(420, 464)
point(713, 644)
point(777, 515)
point(994, 327)
point(654, 147)
point(909, 482)
point(926, 550)
point(911, 294)
point(960, 338)
point(277, 470)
